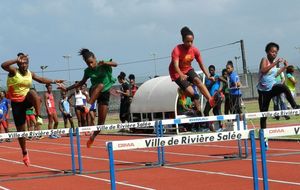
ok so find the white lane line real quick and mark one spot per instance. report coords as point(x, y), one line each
point(231, 175)
point(80, 175)
point(3, 188)
point(120, 183)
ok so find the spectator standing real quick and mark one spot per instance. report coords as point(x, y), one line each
point(225, 90)
point(65, 109)
point(124, 95)
point(51, 110)
point(291, 81)
point(279, 101)
point(235, 93)
point(4, 108)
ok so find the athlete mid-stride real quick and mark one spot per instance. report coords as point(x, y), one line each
point(182, 72)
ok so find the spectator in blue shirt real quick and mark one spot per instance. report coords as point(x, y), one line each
point(234, 89)
point(4, 107)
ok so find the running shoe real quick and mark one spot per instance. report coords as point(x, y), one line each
point(39, 120)
point(90, 142)
point(87, 108)
point(26, 160)
point(39, 137)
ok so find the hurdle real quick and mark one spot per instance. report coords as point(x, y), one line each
point(180, 140)
point(272, 132)
point(208, 119)
point(159, 129)
point(28, 134)
point(110, 127)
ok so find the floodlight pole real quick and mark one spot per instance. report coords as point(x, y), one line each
point(154, 59)
point(243, 57)
point(236, 62)
point(43, 67)
point(67, 58)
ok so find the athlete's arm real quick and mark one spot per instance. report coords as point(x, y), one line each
point(7, 66)
point(177, 69)
point(265, 67)
point(78, 84)
point(44, 80)
point(109, 63)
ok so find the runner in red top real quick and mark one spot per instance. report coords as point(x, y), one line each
point(182, 72)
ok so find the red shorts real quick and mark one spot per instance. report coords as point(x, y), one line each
point(51, 111)
point(30, 117)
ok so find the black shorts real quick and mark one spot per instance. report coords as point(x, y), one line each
point(67, 116)
point(104, 97)
point(80, 108)
point(235, 104)
point(183, 84)
point(19, 112)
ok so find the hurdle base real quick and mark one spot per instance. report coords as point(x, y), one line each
point(152, 164)
point(70, 171)
point(231, 156)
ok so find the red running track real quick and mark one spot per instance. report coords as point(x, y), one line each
point(49, 158)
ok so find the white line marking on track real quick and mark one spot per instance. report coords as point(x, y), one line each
point(85, 176)
point(231, 175)
point(121, 183)
point(3, 188)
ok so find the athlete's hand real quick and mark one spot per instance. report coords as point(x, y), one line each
point(212, 79)
point(285, 63)
point(279, 60)
point(183, 77)
point(21, 58)
point(62, 87)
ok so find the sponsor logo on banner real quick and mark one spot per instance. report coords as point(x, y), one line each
point(252, 115)
point(124, 145)
point(86, 129)
point(276, 131)
point(198, 119)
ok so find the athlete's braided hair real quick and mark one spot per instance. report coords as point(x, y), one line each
point(185, 31)
point(85, 53)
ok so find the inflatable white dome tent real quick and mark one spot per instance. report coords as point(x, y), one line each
point(156, 99)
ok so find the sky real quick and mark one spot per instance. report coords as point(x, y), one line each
point(140, 34)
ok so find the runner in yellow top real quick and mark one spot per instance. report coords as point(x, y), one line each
point(19, 82)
